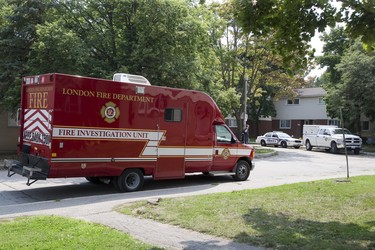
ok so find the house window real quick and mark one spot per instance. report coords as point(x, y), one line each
point(321, 100)
point(285, 123)
point(309, 122)
point(293, 102)
point(232, 122)
point(12, 120)
point(365, 126)
point(334, 122)
point(173, 115)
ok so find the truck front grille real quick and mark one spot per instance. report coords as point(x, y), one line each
point(352, 141)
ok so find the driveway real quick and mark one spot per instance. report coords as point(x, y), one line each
point(75, 197)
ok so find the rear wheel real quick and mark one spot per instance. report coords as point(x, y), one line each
point(308, 145)
point(263, 143)
point(242, 171)
point(130, 180)
point(334, 148)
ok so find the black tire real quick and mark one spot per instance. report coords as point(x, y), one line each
point(129, 181)
point(114, 181)
point(308, 145)
point(263, 143)
point(356, 151)
point(242, 171)
point(284, 144)
point(334, 148)
point(94, 180)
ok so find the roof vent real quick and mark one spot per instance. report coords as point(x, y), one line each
point(128, 78)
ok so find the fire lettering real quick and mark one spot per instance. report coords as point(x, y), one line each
point(38, 100)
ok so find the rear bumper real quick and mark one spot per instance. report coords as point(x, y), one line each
point(33, 172)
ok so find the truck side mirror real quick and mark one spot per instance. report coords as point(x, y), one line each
point(233, 140)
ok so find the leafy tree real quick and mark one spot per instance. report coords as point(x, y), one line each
point(336, 42)
point(170, 37)
point(359, 17)
point(244, 55)
point(17, 35)
point(166, 41)
point(58, 50)
point(354, 93)
point(292, 24)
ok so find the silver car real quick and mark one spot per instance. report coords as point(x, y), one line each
point(277, 138)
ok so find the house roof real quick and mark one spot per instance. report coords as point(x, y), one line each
point(311, 92)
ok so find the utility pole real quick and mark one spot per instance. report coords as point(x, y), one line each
point(244, 102)
point(344, 140)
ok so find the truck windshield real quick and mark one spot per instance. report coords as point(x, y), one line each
point(341, 131)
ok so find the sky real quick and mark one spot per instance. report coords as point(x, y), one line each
point(317, 44)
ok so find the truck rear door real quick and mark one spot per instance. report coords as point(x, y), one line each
point(36, 115)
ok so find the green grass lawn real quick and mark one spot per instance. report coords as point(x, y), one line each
point(53, 232)
point(315, 215)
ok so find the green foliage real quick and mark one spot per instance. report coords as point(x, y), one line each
point(57, 50)
point(52, 232)
point(19, 20)
point(314, 215)
point(359, 17)
point(168, 54)
point(292, 24)
point(166, 41)
point(336, 43)
point(354, 90)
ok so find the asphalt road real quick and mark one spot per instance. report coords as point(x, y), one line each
point(289, 166)
point(75, 197)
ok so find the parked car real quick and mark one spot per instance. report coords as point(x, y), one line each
point(277, 138)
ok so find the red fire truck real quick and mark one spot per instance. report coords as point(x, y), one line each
point(122, 130)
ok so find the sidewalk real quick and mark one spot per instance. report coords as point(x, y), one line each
point(162, 235)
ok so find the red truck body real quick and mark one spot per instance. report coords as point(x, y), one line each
point(74, 126)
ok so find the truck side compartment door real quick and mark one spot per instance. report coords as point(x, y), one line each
point(171, 150)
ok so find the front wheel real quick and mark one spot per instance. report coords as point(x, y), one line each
point(334, 148)
point(284, 144)
point(242, 171)
point(356, 151)
point(263, 143)
point(130, 180)
point(308, 145)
